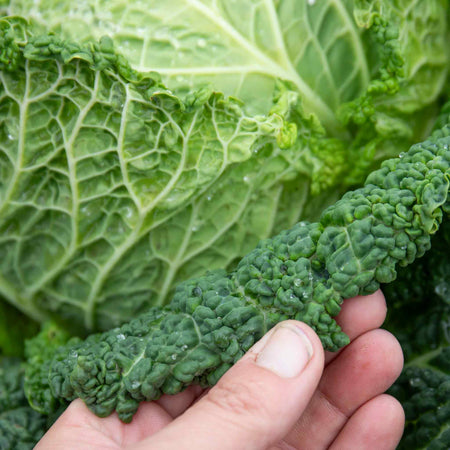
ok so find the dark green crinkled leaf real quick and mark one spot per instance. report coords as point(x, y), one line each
point(303, 273)
point(21, 427)
point(112, 187)
point(419, 316)
point(38, 352)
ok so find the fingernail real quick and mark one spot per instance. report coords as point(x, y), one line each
point(286, 352)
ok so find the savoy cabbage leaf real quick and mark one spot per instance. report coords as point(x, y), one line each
point(21, 427)
point(111, 186)
point(387, 59)
point(419, 316)
point(303, 273)
point(239, 47)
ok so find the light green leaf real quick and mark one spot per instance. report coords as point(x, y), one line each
point(374, 66)
point(112, 188)
point(240, 47)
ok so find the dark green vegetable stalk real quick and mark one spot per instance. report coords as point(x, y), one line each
point(303, 273)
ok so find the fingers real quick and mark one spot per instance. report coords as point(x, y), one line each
point(148, 420)
point(257, 401)
point(378, 424)
point(78, 428)
point(364, 370)
point(177, 404)
point(359, 315)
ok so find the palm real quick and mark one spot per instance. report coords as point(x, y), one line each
point(349, 399)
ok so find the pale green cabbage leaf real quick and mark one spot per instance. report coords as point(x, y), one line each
point(241, 47)
point(114, 187)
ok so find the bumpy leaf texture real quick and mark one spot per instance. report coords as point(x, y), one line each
point(21, 427)
point(321, 47)
point(38, 353)
point(419, 315)
point(112, 186)
point(303, 273)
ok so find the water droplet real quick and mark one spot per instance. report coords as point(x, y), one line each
point(194, 228)
point(246, 179)
point(311, 2)
point(174, 356)
point(161, 33)
point(442, 289)
point(73, 354)
point(128, 212)
point(184, 347)
point(298, 282)
point(401, 155)
point(135, 385)
point(209, 198)
point(197, 291)
point(120, 337)
point(10, 137)
point(141, 31)
point(201, 43)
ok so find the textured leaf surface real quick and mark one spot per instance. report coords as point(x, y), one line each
point(419, 316)
point(303, 273)
point(111, 186)
point(242, 47)
point(20, 426)
point(239, 47)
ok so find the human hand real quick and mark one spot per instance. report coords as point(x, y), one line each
point(285, 393)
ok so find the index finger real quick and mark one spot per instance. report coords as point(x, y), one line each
point(359, 315)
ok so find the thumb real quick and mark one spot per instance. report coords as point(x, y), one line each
point(258, 401)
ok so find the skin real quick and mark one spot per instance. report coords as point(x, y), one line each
point(336, 402)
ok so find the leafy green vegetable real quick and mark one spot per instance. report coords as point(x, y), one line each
point(127, 186)
point(125, 167)
point(419, 315)
point(242, 47)
point(303, 273)
point(21, 427)
point(15, 328)
point(38, 353)
point(113, 187)
point(388, 60)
